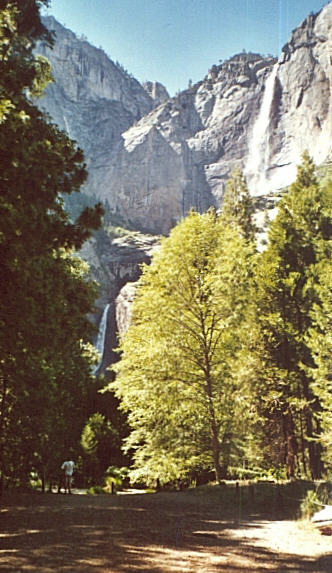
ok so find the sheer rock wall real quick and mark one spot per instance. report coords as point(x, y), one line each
point(152, 157)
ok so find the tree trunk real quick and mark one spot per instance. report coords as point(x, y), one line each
point(303, 457)
point(291, 445)
point(314, 449)
point(3, 406)
point(216, 454)
point(226, 452)
point(215, 443)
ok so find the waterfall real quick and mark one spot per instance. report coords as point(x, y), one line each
point(259, 148)
point(100, 343)
point(66, 125)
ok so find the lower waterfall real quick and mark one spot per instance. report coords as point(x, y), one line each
point(100, 343)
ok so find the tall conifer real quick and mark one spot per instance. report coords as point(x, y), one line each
point(44, 292)
point(286, 293)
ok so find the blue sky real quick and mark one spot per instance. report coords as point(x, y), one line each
point(172, 41)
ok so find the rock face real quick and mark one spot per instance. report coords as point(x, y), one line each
point(151, 158)
point(93, 99)
point(152, 164)
point(123, 307)
point(157, 92)
point(256, 113)
point(116, 265)
point(298, 105)
point(179, 155)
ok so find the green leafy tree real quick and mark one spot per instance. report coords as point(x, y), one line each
point(175, 376)
point(99, 440)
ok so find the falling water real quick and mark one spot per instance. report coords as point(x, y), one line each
point(100, 344)
point(66, 126)
point(258, 156)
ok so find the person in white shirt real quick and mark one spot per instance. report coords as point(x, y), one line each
point(68, 468)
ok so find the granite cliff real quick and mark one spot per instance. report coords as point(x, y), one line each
point(151, 158)
point(92, 98)
point(115, 263)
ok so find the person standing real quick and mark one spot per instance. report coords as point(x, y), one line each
point(68, 468)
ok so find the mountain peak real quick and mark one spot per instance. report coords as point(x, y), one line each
point(157, 92)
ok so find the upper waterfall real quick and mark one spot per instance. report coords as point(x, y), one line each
point(259, 147)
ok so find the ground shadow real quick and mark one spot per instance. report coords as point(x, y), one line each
point(158, 533)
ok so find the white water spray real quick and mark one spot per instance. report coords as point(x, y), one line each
point(100, 344)
point(66, 125)
point(259, 148)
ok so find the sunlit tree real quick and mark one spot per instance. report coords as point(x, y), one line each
point(175, 376)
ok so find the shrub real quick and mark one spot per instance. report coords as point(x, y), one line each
point(310, 504)
point(112, 484)
point(95, 489)
point(115, 478)
point(324, 492)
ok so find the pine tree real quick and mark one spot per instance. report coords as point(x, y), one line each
point(286, 293)
point(319, 336)
point(45, 294)
point(238, 207)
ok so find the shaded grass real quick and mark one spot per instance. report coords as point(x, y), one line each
point(270, 499)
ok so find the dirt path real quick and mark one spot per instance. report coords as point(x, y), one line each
point(161, 533)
